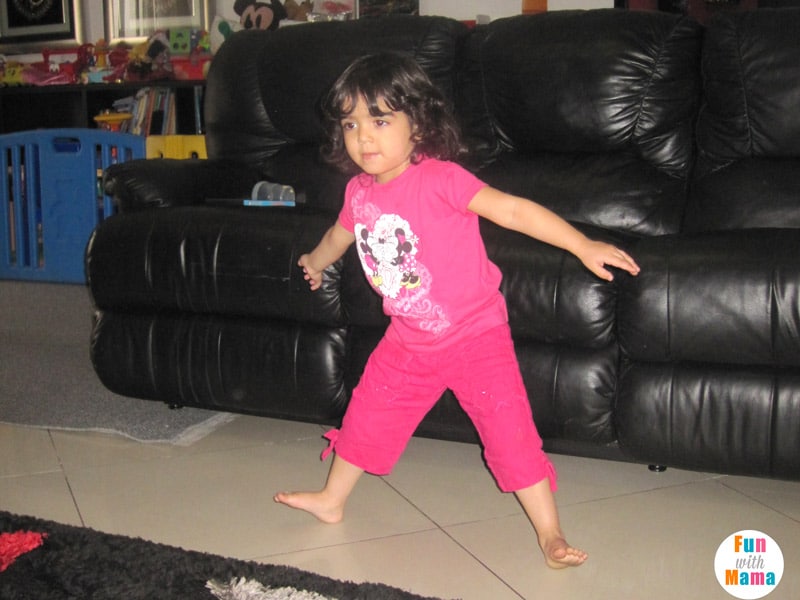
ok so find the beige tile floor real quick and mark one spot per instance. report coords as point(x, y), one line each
point(437, 526)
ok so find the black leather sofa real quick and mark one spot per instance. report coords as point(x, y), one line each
point(677, 142)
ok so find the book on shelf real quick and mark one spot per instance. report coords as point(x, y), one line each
point(153, 110)
point(197, 95)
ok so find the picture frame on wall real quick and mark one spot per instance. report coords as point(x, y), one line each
point(133, 21)
point(378, 8)
point(342, 10)
point(37, 21)
point(699, 10)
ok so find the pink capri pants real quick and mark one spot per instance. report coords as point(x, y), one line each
point(399, 387)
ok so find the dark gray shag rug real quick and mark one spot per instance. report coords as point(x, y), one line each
point(47, 380)
point(75, 562)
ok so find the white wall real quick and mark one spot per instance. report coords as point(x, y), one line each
point(94, 25)
point(93, 21)
point(579, 4)
point(468, 9)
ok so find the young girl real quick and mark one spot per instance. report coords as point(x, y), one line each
point(414, 217)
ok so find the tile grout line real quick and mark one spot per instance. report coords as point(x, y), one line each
point(759, 502)
point(638, 492)
point(66, 479)
point(452, 539)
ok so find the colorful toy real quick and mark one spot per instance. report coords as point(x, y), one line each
point(150, 60)
point(180, 40)
point(101, 51)
point(298, 12)
point(11, 72)
point(111, 121)
point(259, 15)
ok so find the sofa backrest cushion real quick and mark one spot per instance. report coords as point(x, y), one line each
point(590, 113)
point(264, 87)
point(748, 131)
point(751, 69)
point(585, 81)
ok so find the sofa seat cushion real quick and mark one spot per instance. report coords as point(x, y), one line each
point(718, 298)
point(736, 420)
point(270, 367)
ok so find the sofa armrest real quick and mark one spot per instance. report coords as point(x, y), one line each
point(140, 184)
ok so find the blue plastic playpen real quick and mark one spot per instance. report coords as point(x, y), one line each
point(52, 198)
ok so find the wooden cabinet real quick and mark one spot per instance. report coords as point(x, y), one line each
point(30, 107)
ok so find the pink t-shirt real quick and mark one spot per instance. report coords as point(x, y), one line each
point(421, 249)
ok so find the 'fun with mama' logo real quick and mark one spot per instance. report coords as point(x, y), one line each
point(748, 564)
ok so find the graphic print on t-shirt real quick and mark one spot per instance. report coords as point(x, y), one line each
point(388, 252)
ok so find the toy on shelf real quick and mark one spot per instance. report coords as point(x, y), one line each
point(58, 66)
point(181, 53)
point(326, 10)
point(298, 11)
point(101, 51)
point(99, 68)
point(170, 54)
point(150, 61)
point(109, 120)
point(10, 71)
point(259, 15)
point(268, 15)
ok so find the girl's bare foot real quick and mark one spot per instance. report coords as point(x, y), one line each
point(315, 503)
point(328, 503)
point(558, 554)
point(540, 506)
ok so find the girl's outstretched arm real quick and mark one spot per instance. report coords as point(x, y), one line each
point(331, 247)
point(536, 221)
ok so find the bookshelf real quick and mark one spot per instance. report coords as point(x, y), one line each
point(24, 108)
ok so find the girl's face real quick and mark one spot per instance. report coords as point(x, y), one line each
point(380, 145)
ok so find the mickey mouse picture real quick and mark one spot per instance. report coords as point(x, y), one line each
point(259, 15)
point(388, 251)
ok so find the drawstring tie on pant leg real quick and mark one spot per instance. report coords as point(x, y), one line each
point(332, 436)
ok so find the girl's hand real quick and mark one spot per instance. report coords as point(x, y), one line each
point(310, 274)
point(596, 255)
point(540, 223)
point(331, 248)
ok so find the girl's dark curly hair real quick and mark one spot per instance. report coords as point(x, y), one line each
point(401, 84)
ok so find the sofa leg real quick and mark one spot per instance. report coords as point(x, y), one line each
point(173, 406)
point(657, 468)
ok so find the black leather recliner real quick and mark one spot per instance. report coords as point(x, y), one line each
point(606, 117)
